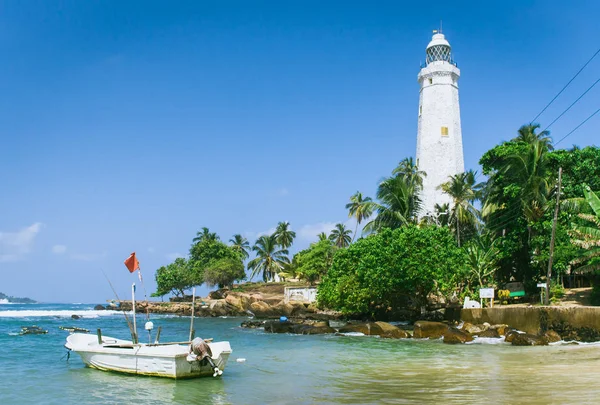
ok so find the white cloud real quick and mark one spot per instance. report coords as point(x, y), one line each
point(310, 232)
point(269, 231)
point(14, 245)
point(88, 257)
point(59, 249)
point(173, 256)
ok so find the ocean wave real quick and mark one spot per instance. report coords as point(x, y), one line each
point(56, 313)
point(352, 334)
point(487, 341)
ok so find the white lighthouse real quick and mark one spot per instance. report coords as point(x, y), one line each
point(439, 137)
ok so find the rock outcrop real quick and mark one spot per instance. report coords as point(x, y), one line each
point(432, 330)
point(527, 339)
point(490, 333)
point(234, 304)
point(455, 336)
point(382, 329)
point(551, 336)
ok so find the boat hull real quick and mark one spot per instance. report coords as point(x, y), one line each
point(161, 361)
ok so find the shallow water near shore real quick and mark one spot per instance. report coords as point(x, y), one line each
point(290, 369)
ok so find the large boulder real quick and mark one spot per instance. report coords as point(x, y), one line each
point(383, 329)
point(239, 301)
point(218, 294)
point(432, 330)
point(391, 331)
point(501, 329)
point(99, 307)
point(219, 308)
point(474, 329)
point(364, 328)
point(527, 339)
point(279, 327)
point(454, 336)
point(253, 324)
point(551, 336)
point(510, 335)
point(283, 309)
point(490, 333)
point(261, 309)
point(318, 330)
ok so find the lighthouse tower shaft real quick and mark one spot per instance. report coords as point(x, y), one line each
point(439, 135)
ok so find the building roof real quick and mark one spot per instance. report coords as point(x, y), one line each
point(438, 39)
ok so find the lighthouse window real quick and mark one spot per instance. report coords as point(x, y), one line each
point(420, 110)
point(444, 131)
point(430, 80)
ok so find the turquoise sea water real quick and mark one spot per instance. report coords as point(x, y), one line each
point(290, 369)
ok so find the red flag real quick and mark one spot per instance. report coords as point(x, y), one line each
point(132, 263)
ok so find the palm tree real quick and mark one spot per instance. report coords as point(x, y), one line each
point(283, 235)
point(322, 236)
point(269, 258)
point(482, 255)
point(527, 173)
point(240, 244)
point(588, 237)
point(340, 236)
point(527, 135)
point(359, 208)
point(399, 204)
point(530, 170)
point(410, 171)
point(205, 234)
point(463, 191)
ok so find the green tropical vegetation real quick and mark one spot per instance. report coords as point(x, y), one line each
point(340, 236)
point(392, 269)
point(360, 209)
point(270, 257)
point(241, 245)
point(495, 229)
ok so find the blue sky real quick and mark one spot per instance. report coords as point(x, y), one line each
point(127, 126)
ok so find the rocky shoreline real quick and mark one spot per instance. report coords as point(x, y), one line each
point(450, 334)
point(234, 304)
point(271, 312)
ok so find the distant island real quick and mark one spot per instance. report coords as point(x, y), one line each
point(15, 300)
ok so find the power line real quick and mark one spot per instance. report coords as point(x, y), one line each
point(572, 104)
point(577, 127)
point(566, 85)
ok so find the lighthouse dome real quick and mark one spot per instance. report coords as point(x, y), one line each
point(438, 39)
point(438, 50)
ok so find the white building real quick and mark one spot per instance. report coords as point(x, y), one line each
point(439, 136)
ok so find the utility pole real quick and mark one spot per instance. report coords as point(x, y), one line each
point(549, 274)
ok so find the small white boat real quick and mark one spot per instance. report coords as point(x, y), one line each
point(163, 360)
point(195, 358)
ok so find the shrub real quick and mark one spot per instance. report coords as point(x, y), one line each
point(391, 270)
point(557, 291)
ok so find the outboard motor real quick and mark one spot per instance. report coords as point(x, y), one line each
point(200, 350)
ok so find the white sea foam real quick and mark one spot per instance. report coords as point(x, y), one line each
point(487, 341)
point(5, 301)
point(353, 334)
point(55, 313)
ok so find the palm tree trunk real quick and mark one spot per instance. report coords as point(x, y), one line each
point(458, 231)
